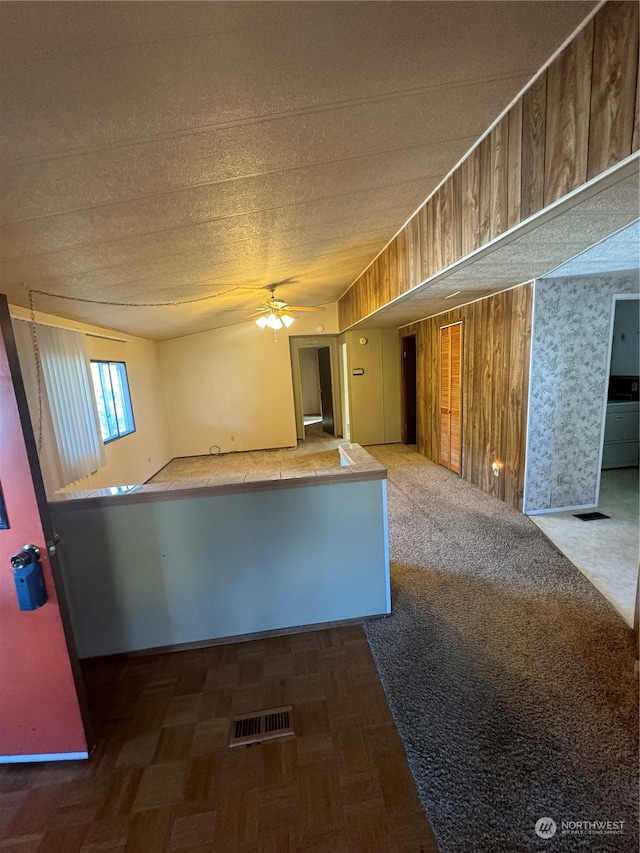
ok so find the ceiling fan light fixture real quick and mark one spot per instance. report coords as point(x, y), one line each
point(276, 314)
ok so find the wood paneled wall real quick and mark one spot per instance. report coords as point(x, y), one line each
point(496, 336)
point(575, 121)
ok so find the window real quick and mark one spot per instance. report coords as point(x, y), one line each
point(112, 396)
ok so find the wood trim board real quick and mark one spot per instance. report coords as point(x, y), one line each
point(576, 119)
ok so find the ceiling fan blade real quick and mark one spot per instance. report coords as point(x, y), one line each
point(305, 308)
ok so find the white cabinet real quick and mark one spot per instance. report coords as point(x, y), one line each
point(621, 435)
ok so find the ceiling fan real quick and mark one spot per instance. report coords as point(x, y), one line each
point(275, 313)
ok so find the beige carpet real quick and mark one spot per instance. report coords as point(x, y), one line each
point(511, 679)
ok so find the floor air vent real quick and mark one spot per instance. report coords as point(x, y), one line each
point(266, 725)
point(590, 516)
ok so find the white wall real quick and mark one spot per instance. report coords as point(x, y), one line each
point(374, 396)
point(135, 457)
point(232, 387)
point(391, 363)
point(192, 392)
point(310, 381)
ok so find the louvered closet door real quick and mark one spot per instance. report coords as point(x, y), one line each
point(450, 396)
point(445, 396)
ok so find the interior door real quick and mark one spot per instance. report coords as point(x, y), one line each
point(409, 389)
point(450, 347)
point(326, 391)
point(41, 696)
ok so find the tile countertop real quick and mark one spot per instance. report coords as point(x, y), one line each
point(355, 465)
point(622, 406)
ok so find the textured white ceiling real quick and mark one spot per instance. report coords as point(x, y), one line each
point(620, 251)
point(173, 150)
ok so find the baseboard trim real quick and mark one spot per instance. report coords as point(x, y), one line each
point(237, 638)
point(559, 509)
point(46, 756)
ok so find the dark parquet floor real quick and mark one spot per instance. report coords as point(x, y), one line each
point(163, 778)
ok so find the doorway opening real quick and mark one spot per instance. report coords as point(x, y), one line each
point(346, 408)
point(326, 390)
point(409, 390)
point(316, 386)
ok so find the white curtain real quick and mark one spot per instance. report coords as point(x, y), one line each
point(71, 445)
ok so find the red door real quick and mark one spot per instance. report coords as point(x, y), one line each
point(41, 709)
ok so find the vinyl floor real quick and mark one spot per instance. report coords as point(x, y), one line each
point(606, 551)
point(163, 778)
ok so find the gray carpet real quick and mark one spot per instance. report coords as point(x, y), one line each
point(510, 678)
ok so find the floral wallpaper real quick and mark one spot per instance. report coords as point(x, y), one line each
point(569, 374)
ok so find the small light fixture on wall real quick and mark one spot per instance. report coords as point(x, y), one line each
point(495, 467)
